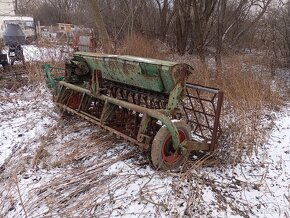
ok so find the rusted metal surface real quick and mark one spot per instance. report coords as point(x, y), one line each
point(64, 98)
point(202, 109)
point(96, 121)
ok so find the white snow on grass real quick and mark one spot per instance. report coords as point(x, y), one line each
point(69, 167)
point(23, 119)
point(35, 53)
point(44, 54)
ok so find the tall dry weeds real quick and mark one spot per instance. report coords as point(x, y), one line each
point(249, 99)
point(141, 46)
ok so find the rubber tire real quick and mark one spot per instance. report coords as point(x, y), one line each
point(157, 147)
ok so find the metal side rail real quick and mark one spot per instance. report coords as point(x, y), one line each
point(202, 108)
point(79, 100)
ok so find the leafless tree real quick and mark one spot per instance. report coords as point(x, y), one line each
point(183, 22)
point(221, 12)
point(104, 36)
point(276, 34)
point(234, 19)
point(189, 25)
point(203, 11)
point(166, 14)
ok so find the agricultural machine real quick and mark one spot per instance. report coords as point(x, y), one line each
point(145, 101)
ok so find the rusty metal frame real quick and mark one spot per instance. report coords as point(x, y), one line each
point(157, 114)
point(202, 108)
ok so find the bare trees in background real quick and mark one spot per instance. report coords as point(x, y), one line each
point(220, 31)
point(234, 20)
point(49, 12)
point(203, 23)
point(104, 36)
point(183, 24)
point(286, 22)
point(219, 24)
point(276, 32)
point(165, 16)
point(27, 6)
point(201, 27)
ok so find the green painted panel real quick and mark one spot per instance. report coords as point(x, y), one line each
point(150, 74)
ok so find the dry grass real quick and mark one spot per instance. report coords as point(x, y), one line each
point(138, 45)
point(35, 72)
point(77, 162)
point(75, 179)
point(65, 173)
point(249, 99)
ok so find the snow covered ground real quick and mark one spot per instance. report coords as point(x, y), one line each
point(58, 166)
point(36, 53)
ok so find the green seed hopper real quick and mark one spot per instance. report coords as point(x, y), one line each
point(150, 74)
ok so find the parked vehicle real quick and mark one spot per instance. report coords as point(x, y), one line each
point(13, 38)
point(26, 24)
point(3, 60)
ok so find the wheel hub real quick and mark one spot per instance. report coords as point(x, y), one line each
point(169, 154)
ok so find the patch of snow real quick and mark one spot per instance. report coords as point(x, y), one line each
point(35, 53)
point(85, 176)
point(25, 120)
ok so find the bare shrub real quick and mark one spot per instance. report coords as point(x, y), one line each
point(141, 46)
point(35, 73)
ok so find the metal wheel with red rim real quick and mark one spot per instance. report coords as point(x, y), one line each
point(163, 155)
